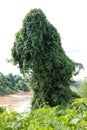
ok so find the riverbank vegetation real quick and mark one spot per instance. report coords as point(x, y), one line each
point(10, 84)
point(71, 117)
point(82, 89)
point(38, 51)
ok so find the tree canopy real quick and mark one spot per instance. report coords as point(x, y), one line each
point(38, 49)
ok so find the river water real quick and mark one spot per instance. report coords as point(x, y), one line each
point(19, 102)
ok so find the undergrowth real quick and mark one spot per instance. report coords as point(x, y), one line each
point(72, 117)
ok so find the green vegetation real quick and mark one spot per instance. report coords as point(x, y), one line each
point(82, 89)
point(38, 52)
point(72, 117)
point(38, 49)
point(12, 83)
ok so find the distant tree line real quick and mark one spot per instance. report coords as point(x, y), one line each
point(13, 83)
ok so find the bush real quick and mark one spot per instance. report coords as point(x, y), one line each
point(72, 117)
point(82, 89)
point(2, 109)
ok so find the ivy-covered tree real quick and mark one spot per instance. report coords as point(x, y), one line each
point(37, 50)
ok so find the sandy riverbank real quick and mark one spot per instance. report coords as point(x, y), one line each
point(18, 102)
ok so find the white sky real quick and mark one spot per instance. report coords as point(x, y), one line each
point(68, 16)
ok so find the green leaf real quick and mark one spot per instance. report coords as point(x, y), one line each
point(74, 121)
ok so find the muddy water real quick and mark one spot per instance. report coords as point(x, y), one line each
point(19, 102)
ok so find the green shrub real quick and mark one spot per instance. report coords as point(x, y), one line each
point(2, 109)
point(72, 117)
point(82, 89)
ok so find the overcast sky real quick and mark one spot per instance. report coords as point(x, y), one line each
point(68, 16)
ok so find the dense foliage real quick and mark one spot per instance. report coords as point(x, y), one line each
point(72, 117)
point(12, 83)
point(38, 50)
